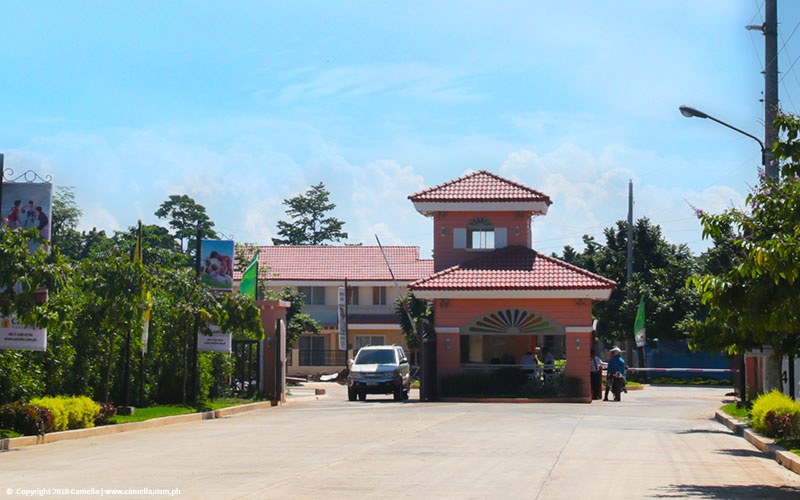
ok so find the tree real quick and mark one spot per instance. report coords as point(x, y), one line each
point(24, 374)
point(158, 246)
point(660, 270)
point(309, 224)
point(64, 222)
point(297, 322)
point(419, 310)
point(112, 303)
point(755, 301)
point(185, 216)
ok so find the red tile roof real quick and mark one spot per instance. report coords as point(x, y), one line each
point(333, 263)
point(513, 268)
point(481, 186)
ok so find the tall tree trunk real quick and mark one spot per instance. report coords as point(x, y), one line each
point(108, 368)
point(185, 369)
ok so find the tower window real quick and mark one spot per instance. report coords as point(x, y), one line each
point(480, 234)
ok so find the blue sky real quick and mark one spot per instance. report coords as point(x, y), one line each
point(243, 104)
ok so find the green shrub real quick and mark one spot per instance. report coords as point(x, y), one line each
point(781, 406)
point(5, 433)
point(107, 410)
point(28, 420)
point(70, 412)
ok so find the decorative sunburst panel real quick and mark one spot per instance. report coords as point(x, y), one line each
point(514, 321)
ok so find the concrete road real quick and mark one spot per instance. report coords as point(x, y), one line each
point(657, 443)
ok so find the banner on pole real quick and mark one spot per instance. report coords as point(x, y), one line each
point(249, 284)
point(217, 341)
point(216, 270)
point(342, 318)
point(27, 205)
point(20, 337)
point(638, 328)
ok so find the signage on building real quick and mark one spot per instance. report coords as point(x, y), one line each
point(217, 341)
point(216, 264)
point(342, 318)
point(20, 337)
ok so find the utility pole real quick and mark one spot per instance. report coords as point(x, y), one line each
point(629, 273)
point(770, 30)
point(195, 393)
point(2, 178)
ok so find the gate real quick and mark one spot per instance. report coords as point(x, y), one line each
point(246, 368)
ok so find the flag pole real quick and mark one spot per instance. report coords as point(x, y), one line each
point(399, 293)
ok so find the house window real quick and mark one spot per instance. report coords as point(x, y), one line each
point(365, 340)
point(313, 295)
point(352, 296)
point(379, 295)
point(480, 234)
point(312, 350)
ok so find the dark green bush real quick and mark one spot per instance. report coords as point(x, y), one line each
point(779, 405)
point(27, 420)
point(107, 410)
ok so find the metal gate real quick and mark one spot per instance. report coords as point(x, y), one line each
point(246, 368)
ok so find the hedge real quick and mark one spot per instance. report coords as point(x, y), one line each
point(70, 412)
point(776, 415)
point(28, 420)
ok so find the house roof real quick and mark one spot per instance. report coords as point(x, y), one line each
point(335, 263)
point(481, 186)
point(514, 268)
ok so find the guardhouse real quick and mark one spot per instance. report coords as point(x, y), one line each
point(495, 297)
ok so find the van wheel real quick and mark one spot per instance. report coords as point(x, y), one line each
point(351, 394)
point(362, 396)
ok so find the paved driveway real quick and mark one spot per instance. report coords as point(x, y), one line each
point(658, 443)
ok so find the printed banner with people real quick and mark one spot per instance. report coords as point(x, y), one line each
point(216, 264)
point(27, 205)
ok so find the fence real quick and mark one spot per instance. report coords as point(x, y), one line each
point(314, 357)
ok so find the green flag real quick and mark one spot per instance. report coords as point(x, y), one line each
point(638, 326)
point(249, 282)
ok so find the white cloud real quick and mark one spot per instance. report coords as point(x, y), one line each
point(589, 192)
point(410, 80)
point(97, 216)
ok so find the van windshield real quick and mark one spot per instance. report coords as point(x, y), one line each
point(379, 357)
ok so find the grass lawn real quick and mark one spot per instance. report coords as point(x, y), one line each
point(5, 433)
point(169, 410)
point(226, 402)
point(152, 412)
point(792, 445)
point(688, 381)
point(734, 411)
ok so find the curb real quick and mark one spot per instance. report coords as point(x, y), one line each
point(587, 399)
point(765, 445)
point(52, 437)
point(638, 387)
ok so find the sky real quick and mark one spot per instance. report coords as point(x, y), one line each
point(244, 104)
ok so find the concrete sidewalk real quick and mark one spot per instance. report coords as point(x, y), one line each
point(659, 443)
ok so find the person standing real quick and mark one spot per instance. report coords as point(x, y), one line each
point(42, 223)
point(596, 373)
point(615, 365)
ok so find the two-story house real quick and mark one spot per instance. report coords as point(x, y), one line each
point(318, 272)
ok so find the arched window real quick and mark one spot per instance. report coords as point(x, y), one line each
point(480, 233)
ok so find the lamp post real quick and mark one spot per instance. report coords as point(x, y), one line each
point(690, 112)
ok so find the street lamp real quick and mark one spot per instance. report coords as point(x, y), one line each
point(690, 112)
